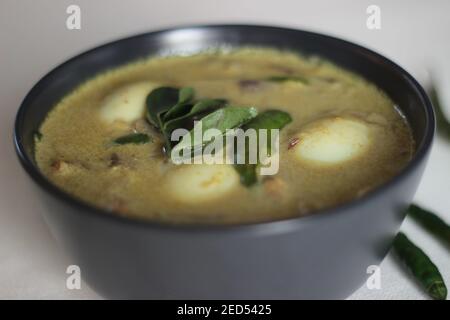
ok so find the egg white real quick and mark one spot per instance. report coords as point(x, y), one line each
point(195, 183)
point(127, 103)
point(332, 141)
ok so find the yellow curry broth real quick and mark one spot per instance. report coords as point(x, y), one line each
point(76, 152)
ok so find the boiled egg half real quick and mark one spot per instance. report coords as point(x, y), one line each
point(194, 183)
point(126, 103)
point(332, 141)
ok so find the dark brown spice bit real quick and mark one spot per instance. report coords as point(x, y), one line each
point(56, 164)
point(293, 142)
point(114, 160)
point(250, 85)
point(64, 167)
point(119, 206)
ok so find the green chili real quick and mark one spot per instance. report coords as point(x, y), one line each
point(443, 124)
point(423, 269)
point(431, 222)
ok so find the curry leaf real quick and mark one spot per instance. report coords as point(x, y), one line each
point(197, 111)
point(135, 138)
point(186, 94)
point(229, 117)
point(159, 101)
point(177, 111)
point(247, 173)
point(207, 104)
point(186, 121)
point(182, 107)
point(271, 119)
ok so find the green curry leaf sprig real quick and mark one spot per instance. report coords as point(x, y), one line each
point(226, 118)
point(269, 120)
point(169, 108)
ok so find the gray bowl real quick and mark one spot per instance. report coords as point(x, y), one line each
point(325, 255)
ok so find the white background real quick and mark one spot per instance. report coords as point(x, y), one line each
point(34, 39)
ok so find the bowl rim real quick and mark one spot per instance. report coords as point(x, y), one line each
point(277, 225)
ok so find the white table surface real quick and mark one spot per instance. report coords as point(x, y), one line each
point(34, 38)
